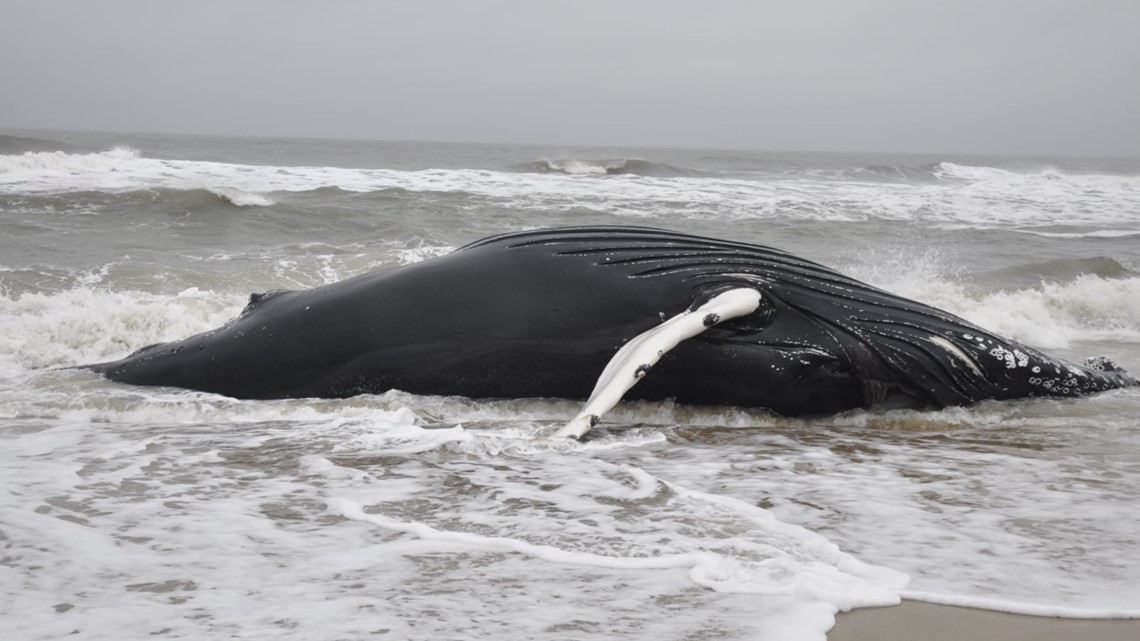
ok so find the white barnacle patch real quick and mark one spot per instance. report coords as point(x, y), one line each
point(1068, 386)
point(1022, 358)
point(956, 352)
point(1002, 354)
point(1075, 371)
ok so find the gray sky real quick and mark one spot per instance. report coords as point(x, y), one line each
point(971, 76)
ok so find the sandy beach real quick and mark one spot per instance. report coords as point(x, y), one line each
point(914, 620)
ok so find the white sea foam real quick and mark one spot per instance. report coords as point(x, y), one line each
point(1049, 315)
point(815, 568)
point(242, 198)
point(999, 506)
point(572, 510)
point(44, 330)
point(1057, 315)
point(120, 529)
point(61, 163)
point(972, 173)
point(584, 167)
point(1100, 233)
point(974, 196)
point(1029, 609)
point(410, 255)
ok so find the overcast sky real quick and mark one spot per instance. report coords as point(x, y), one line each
point(970, 76)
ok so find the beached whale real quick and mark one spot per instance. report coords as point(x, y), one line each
point(561, 312)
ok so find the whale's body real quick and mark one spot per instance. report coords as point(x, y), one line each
point(541, 313)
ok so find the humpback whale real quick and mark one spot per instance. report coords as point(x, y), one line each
point(607, 313)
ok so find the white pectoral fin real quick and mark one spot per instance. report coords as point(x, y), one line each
point(633, 361)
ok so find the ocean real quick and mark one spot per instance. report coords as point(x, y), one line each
point(131, 512)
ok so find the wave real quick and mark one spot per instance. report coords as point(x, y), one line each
point(1100, 233)
point(1056, 315)
point(951, 171)
point(50, 163)
point(21, 145)
point(896, 173)
point(121, 170)
point(1038, 177)
point(1059, 270)
point(1048, 305)
point(974, 173)
point(241, 198)
point(962, 173)
point(982, 197)
point(87, 325)
point(616, 167)
point(161, 199)
point(930, 172)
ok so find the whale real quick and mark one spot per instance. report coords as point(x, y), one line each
point(611, 313)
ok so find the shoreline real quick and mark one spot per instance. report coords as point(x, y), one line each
point(921, 621)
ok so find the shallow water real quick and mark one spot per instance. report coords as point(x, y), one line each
point(135, 511)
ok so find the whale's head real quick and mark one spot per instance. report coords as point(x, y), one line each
point(902, 352)
point(815, 324)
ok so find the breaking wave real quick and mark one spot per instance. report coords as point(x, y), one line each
point(241, 198)
point(943, 194)
point(897, 173)
point(1058, 270)
point(1048, 305)
point(615, 167)
point(963, 173)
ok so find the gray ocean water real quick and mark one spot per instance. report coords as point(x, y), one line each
point(131, 512)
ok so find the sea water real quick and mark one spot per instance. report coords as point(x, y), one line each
point(130, 512)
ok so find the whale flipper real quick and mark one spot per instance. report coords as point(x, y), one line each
point(634, 360)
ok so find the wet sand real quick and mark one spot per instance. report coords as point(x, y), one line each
point(917, 621)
